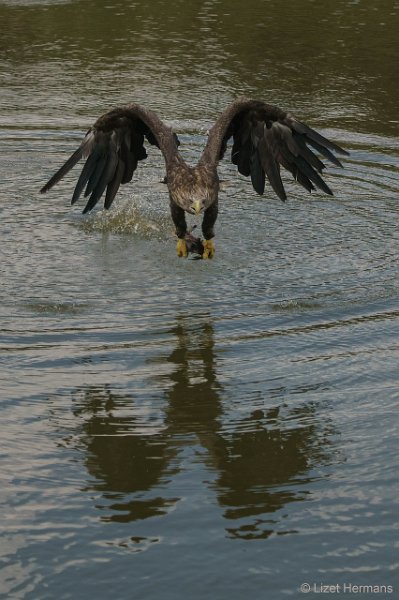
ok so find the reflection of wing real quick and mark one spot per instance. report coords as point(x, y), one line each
point(112, 148)
point(265, 137)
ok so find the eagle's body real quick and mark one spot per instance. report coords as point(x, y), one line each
point(264, 137)
point(193, 190)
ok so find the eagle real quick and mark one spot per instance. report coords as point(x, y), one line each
point(264, 139)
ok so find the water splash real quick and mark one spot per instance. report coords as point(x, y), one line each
point(127, 218)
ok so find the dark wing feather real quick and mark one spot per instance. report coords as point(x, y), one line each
point(257, 173)
point(70, 163)
point(113, 147)
point(313, 135)
point(268, 152)
point(85, 175)
point(244, 157)
point(96, 173)
point(114, 184)
point(265, 137)
point(107, 173)
point(256, 170)
point(129, 160)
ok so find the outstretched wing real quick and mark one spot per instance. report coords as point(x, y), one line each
point(113, 148)
point(266, 138)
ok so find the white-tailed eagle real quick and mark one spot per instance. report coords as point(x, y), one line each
point(264, 139)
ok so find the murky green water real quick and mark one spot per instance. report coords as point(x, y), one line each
point(171, 428)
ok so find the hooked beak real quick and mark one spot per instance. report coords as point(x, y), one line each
point(197, 206)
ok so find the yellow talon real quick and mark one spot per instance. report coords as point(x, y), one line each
point(209, 249)
point(181, 248)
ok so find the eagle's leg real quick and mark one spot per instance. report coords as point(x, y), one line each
point(210, 216)
point(179, 220)
point(181, 248)
point(209, 249)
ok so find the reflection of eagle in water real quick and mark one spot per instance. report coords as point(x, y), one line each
point(264, 137)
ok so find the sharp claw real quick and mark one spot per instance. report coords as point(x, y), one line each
point(181, 248)
point(209, 249)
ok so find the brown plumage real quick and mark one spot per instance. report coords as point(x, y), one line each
point(264, 139)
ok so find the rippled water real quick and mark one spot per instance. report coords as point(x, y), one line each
point(173, 427)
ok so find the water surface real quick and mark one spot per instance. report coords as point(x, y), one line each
point(224, 428)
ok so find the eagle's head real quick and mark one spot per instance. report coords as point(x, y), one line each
point(193, 189)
